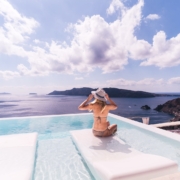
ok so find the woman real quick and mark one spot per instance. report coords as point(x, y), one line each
point(100, 108)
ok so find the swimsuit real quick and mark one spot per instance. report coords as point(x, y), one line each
point(99, 118)
point(106, 132)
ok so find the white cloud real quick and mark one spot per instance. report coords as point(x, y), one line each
point(164, 53)
point(36, 41)
point(146, 84)
point(15, 31)
point(16, 24)
point(150, 81)
point(95, 43)
point(174, 80)
point(79, 78)
point(9, 74)
point(115, 6)
point(120, 82)
point(129, 83)
point(153, 16)
point(23, 70)
point(139, 50)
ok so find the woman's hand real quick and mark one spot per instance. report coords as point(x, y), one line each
point(84, 105)
point(107, 97)
point(90, 97)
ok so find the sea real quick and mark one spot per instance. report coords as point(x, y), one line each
point(39, 105)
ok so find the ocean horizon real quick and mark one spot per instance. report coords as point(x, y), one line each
point(40, 105)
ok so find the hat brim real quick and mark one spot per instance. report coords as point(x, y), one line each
point(97, 97)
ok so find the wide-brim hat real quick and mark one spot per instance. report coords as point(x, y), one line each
point(99, 94)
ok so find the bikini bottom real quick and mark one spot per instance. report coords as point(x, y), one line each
point(105, 133)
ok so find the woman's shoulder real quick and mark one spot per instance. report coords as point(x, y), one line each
point(111, 106)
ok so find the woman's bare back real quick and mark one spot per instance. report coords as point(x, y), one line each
point(100, 117)
point(101, 126)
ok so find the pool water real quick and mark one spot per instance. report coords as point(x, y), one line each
point(58, 159)
point(57, 156)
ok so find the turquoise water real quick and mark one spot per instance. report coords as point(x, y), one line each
point(57, 157)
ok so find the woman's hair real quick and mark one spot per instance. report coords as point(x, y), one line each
point(102, 103)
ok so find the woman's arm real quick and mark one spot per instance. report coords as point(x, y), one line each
point(112, 105)
point(84, 105)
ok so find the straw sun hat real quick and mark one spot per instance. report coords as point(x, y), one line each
point(99, 94)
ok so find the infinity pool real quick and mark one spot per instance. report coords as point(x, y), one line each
point(56, 155)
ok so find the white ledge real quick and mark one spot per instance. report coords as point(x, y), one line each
point(166, 124)
point(17, 155)
point(111, 159)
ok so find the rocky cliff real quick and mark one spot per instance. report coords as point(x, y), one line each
point(171, 107)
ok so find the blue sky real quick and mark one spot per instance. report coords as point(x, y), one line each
point(56, 45)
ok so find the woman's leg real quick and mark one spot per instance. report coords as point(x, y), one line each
point(98, 133)
point(113, 128)
point(110, 130)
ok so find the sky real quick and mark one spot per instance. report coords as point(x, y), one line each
point(57, 45)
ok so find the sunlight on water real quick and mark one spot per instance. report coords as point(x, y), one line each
point(22, 106)
point(147, 143)
point(58, 159)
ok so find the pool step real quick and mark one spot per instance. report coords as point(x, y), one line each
point(17, 155)
point(110, 158)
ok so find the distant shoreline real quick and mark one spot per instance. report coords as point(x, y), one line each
point(113, 92)
point(5, 93)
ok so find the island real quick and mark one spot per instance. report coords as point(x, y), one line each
point(4, 93)
point(32, 93)
point(145, 107)
point(112, 92)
